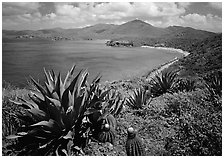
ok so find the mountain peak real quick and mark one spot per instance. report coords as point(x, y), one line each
point(137, 21)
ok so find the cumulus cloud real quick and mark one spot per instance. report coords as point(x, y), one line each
point(217, 5)
point(207, 22)
point(71, 15)
point(18, 8)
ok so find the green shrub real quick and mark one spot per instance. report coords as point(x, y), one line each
point(184, 85)
point(198, 126)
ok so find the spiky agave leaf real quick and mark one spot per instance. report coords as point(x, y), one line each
point(213, 83)
point(139, 99)
point(163, 82)
point(55, 111)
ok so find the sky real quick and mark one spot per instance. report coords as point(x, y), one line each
point(45, 15)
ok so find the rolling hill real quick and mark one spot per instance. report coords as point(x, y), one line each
point(136, 30)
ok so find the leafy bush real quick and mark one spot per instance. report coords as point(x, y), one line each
point(198, 126)
point(9, 122)
point(184, 84)
point(163, 82)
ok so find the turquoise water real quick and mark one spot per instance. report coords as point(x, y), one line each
point(21, 59)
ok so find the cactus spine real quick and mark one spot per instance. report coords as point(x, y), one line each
point(134, 145)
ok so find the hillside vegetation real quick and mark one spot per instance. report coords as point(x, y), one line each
point(175, 112)
point(137, 31)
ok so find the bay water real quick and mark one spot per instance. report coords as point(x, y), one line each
point(24, 58)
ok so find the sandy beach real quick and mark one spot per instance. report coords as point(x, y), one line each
point(168, 48)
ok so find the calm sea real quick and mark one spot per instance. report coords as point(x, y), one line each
point(24, 58)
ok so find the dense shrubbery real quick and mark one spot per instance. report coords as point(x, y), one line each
point(205, 56)
point(197, 124)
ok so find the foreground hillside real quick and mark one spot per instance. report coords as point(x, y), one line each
point(176, 112)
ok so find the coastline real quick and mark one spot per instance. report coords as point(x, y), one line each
point(169, 48)
point(151, 73)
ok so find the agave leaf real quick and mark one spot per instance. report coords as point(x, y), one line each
point(65, 95)
point(104, 94)
point(54, 77)
point(70, 99)
point(13, 137)
point(22, 133)
point(38, 114)
point(49, 89)
point(39, 87)
point(60, 151)
point(96, 80)
point(22, 104)
point(84, 104)
point(69, 77)
point(55, 112)
point(49, 79)
point(78, 108)
point(40, 103)
point(40, 134)
point(69, 135)
point(74, 82)
point(81, 83)
point(119, 107)
point(55, 102)
point(37, 94)
point(67, 118)
point(50, 125)
point(54, 95)
point(25, 116)
point(59, 88)
point(90, 111)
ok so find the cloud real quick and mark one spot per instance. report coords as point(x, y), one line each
point(72, 15)
point(217, 5)
point(207, 22)
point(18, 8)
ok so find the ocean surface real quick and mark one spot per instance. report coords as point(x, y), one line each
point(24, 58)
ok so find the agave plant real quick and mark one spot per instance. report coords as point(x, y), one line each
point(54, 121)
point(139, 99)
point(110, 103)
point(163, 82)
point(213, 83)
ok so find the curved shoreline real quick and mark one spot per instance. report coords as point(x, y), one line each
point(169, 48)
point(156, 70)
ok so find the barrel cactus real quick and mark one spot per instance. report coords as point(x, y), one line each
point(134, 145)
point(107, 134)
